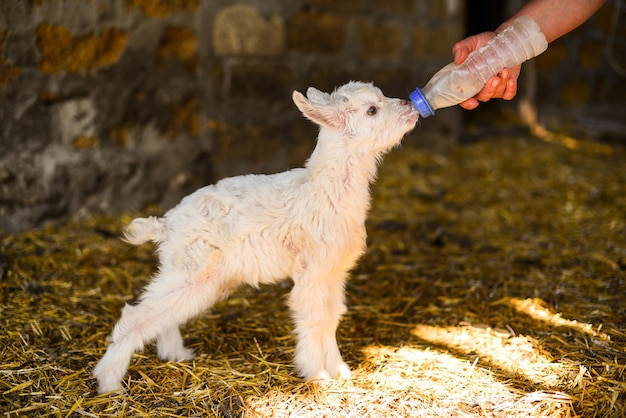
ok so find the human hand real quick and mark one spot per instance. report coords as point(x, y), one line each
point(501, 86)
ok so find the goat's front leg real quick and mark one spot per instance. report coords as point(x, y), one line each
point(317, 307)
point(170, 345)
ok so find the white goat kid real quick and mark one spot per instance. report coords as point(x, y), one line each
point(306, 223)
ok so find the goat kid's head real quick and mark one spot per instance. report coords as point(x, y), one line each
point(359, 114)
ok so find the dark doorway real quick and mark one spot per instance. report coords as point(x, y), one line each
point(483, 15)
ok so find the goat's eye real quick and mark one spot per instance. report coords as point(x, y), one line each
point(372, 110)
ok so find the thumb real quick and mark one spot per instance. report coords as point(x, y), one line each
point(464, 47)
point(460, 51)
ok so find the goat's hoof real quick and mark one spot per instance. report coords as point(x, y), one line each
point(104, 388)
point(343, 372)
point(181, 354)
point(322, 378)
point(109, 378)
point(107, 384)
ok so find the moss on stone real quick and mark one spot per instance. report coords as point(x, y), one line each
point(82, 142)
point(62, 51)
point(187, 117)
point(181, 44)
point(160, 8)
point(119, 136)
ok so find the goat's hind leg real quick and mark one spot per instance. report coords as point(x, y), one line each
point(112, 367)
point(170, 300)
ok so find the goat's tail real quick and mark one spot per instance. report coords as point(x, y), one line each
point(142, 230)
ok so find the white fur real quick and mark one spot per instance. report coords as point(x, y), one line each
point(306, 223)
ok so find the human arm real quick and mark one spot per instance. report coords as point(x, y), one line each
point(554, 17)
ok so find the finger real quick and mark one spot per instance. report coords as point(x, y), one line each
point(515, 71)
point(501, 89)
point(463, 48)
point(507, 74)
point(511, 90)
point(469, 104)
point(460, 52)
point(490, 89)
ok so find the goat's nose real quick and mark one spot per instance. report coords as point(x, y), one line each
point(404, 102)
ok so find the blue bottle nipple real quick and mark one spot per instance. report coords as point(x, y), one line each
point(421, 103)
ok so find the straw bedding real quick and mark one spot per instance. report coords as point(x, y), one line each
point(494, 286)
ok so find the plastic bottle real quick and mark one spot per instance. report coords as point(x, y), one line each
point(453, 84)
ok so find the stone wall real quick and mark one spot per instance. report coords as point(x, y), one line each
point(581, 78)
point(111, 105)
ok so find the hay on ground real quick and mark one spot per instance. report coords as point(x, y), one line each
point(493, 286)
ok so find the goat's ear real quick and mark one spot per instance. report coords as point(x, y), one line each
point(322, 114)
point(317, 96)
